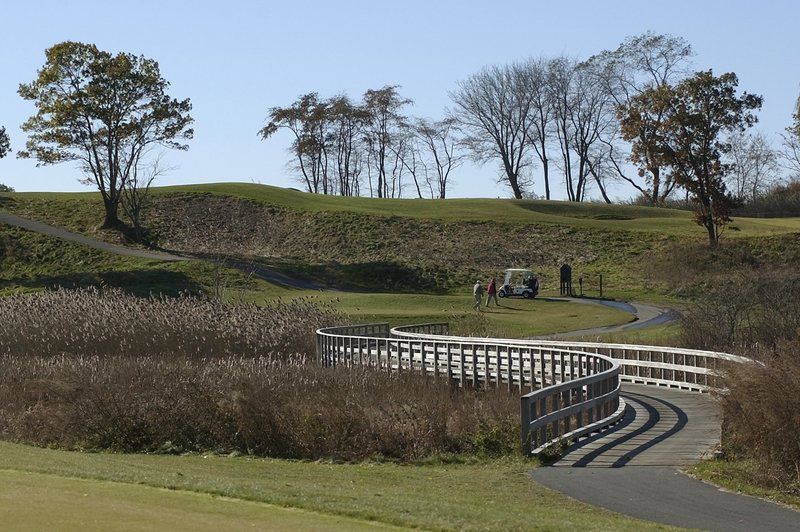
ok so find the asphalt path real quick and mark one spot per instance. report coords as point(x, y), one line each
point(634, 467)
point(646, 315)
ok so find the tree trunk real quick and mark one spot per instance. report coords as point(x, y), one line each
point(713, 238)
point(546, 178)
point(655, 200)
point(111, 220)
point(512, 180)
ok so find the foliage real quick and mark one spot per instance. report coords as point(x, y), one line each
point(104, 112)
point(307, 119)
point(690, 137)
point(760, 410)
point(743, 312)
point(777, 202)
point(640, 63)
point(336, 141)
point(5, 143)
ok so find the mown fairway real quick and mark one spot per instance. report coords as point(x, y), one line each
point(495, 494)
point(515, 318)
point(33, 501)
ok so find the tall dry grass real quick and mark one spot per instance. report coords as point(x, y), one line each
point(107, 322)
point(762, 415)
point(249, 405)
point(756, 315)
point(103, 370)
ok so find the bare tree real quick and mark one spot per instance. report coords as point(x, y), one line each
point(493, 108)
point(535, 77)
point(753, 165)
point(307, 119)
point(642, 62)
point(584, 125)
point(559, 85)
point(136, 194)
point(347, 125)
point(412, 156)
point(444, 152)
point(790, 154)
point(383, 137)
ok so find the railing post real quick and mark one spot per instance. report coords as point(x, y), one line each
point(525, 425)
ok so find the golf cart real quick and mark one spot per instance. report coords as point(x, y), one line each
point(519, 282)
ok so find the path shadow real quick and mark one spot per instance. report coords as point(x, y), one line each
point(134, 282)
point(629, 416)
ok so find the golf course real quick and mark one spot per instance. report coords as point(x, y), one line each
point(331, 246)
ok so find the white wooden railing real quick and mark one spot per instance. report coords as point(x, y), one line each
point(568, 389)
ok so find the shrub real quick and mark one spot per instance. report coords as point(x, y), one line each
point(99, 369)
point(779, 201)
point(285, 409)
point(744, 313)
point(762, 415)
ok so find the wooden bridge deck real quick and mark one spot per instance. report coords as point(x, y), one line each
point(661, 427)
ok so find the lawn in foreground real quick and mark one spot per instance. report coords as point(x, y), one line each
point(488, 494)
point(516, 318)
point(738, 475)
point(35, 501)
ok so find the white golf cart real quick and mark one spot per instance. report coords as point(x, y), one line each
point(519, 282)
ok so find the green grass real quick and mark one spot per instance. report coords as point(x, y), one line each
point(666, 334)
point(491, 494)
point(579, 215)
point(738, 475)
point(32, 261)
point(33, 501)
point(516, 318)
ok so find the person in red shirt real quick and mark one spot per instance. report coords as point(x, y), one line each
point(491, 293)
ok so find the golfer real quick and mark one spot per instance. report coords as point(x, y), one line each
point(477, 291)
point(491, 293)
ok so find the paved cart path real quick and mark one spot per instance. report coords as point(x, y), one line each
point(61, 233)
point(646, 316)
point(632, 468)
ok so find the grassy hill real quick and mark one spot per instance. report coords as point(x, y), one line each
point(561, 213)
point(408, 250)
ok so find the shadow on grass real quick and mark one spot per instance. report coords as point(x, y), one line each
point(134, 282)
point(373, 276)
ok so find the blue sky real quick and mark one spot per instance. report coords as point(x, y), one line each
point(235, 59)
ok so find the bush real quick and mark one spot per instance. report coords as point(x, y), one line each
point(257, 406)
point(762, 415)
point(94, 369)
point(756, 315)
point(780, 201)
point(744, 313)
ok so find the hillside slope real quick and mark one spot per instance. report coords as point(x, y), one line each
point(418, 245)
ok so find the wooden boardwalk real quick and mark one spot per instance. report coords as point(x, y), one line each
point(661, 427)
